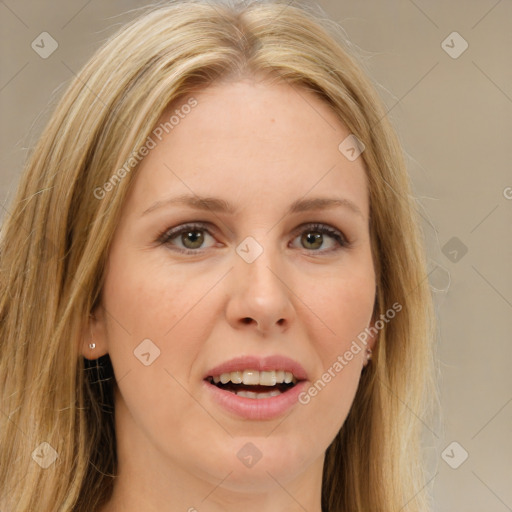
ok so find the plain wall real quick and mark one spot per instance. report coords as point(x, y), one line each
point(453, 117)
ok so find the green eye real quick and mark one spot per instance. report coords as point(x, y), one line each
point(316, 240)
point(313, 237)
point(190, 238)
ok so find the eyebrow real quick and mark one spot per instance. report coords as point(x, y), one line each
point(218, 205)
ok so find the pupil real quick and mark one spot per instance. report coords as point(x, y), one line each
point(194, 237)
point(312, 238)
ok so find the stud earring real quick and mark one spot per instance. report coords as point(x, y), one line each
point(92, 345)
point(368, 354)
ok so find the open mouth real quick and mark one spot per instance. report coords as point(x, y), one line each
point(255, 384)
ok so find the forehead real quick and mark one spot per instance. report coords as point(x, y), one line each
point(247, 138)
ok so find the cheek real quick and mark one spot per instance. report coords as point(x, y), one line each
point(150, 296)
point(340, 309)
point(149, 301)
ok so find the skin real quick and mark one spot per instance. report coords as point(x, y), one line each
point(177, 449)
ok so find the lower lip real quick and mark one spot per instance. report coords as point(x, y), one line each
point(256, 408)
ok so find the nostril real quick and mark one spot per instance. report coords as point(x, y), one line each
point(246, 320)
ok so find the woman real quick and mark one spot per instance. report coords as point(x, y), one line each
point(214, 285)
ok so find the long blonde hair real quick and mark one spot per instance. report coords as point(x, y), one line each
point(55, 242)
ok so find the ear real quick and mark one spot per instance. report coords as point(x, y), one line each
point(93, 341)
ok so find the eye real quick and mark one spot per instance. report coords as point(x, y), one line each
point(189, 238)
point(313, 236)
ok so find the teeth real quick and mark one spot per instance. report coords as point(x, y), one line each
point(251, 377)
point(268, 378)
point(252, 394)
point(255, 378)
point(236, 377)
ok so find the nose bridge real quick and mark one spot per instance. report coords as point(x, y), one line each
point(258, 264)
point(259, 290)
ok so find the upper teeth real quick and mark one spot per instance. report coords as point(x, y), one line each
point(254, 377)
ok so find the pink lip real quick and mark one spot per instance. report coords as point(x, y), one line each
point(261, 364)
point(256, 408)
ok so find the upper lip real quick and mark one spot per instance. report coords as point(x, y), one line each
point(274, 362)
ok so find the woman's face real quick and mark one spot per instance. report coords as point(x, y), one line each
point(258, 270)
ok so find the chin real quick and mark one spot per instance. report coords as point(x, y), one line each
point(255, 463)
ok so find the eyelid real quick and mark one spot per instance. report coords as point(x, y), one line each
point(342, 241)
point(324, 229)
point(170, 233)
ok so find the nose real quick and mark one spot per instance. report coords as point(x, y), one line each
point(259, 295)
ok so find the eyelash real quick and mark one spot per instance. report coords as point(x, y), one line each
point(169, 234)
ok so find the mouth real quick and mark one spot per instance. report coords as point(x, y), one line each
point(255, 387)
point(255, 384)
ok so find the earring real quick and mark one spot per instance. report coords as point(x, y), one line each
point(92, 345)
point(368, 354)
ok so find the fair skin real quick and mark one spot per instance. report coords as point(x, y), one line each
point(259, 147)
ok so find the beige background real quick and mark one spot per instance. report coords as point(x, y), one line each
point(453, 116)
